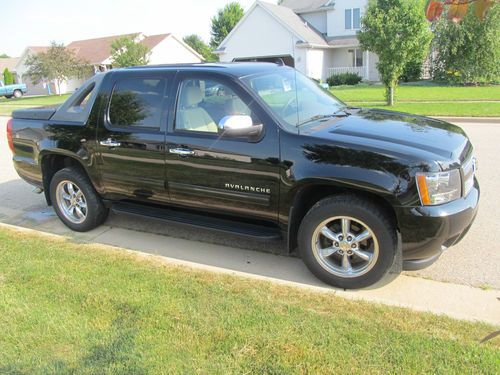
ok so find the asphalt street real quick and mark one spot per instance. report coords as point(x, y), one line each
point(475, 261)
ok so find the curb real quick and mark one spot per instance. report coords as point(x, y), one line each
point(456, 301)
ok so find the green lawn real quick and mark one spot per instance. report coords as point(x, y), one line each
point(70, 308)
point(427, 100)
point(365, 93)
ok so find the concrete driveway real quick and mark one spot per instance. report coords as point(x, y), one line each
point(475, 261)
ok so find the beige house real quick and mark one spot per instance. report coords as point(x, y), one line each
point(164, 49)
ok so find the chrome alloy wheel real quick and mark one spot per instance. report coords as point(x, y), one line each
point(71, 202)
point(345, 246)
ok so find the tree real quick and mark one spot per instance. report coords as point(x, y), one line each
point(4, 56)
point(126, 51)
point(468, 52)
point(196, 43)
point(398, 32)
point(224, 22)
point(8, 78)
point(57, 64)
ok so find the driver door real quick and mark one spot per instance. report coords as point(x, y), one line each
point(208, 170)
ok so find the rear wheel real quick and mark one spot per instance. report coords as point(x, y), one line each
point(75, 200)
point(347, 241)
point(18, 93)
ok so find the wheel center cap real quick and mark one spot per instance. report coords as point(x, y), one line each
point(345, 246)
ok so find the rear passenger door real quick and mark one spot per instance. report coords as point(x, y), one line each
point(207, 170)
point(131, 136)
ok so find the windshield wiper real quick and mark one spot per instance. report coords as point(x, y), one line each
point(321, 117)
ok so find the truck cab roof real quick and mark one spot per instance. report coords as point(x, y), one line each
point(235, 69)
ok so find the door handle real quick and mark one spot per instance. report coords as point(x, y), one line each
point(181, 151)
point(110, 143)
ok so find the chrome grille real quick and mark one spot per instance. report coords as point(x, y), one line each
point(468, 172)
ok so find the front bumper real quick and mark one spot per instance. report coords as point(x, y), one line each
point(429, 230)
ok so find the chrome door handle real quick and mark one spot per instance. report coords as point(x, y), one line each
point(181, 151)
point(110, 143)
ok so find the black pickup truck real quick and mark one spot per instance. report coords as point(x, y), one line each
point(258, 150)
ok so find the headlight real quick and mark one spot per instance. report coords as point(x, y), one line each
point(439, 188)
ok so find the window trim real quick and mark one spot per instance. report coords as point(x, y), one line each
point(165, 106)
point(351, 18)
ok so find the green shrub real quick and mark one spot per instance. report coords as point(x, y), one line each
point(344, 79)
point(8, 78)
point(412, 72)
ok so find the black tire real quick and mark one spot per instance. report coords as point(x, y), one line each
point(8, 96)
point(357, 208)
point(96, 212)
point(17, 93)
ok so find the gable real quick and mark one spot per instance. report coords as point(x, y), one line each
point(173, 51)
point(258, 34)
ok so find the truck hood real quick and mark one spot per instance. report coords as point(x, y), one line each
point(395, 131)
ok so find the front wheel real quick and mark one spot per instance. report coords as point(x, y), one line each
point(347, 241)
point(18, 93)
point(75, 200)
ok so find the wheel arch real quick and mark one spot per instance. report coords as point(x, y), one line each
point(307, 196)
point(51, 163)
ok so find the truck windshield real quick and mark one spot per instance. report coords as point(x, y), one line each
point(293, 97)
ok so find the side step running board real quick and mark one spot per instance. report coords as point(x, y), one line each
point(254, 231)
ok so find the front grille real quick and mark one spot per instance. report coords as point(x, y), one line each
point(468, 171)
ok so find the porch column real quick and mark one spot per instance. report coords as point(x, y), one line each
point(366, 61)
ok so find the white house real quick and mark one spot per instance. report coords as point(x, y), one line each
point(164, 49)
point(318, 37)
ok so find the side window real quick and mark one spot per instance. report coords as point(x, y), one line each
point(203, 103)
point(137, 102)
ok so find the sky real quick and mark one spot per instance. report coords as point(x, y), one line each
point(38, 22)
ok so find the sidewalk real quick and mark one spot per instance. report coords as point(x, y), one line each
point(457, 301)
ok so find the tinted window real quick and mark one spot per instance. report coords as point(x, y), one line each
point(137, 102)
point(204, 102)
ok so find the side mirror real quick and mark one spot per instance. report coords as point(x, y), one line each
point(239, 126)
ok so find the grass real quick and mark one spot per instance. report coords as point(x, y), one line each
point(427, 100)
point(72, 308)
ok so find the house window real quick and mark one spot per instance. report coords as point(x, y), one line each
point(357, 57)
point(348, 19)
point(356, 16)
point(352, 19)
